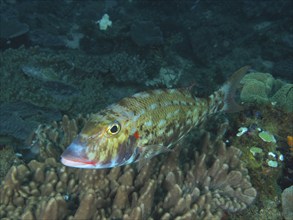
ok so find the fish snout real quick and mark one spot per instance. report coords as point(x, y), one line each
point(75, 155)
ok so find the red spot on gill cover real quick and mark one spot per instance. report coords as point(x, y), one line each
point(136, 135)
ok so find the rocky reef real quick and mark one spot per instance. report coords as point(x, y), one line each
point(199, 180)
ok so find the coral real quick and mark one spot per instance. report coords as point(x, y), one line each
point(279, 123)
point(34, 191)
point(173, 71)
point(25, 118)
point(124, 67)
point(12, 28)
point(167, 77)
point(184, 184)
point(146, 33)
point(7, 157)
point(257, 87)
point(262, 88)
point(284, 97)
point(287, 200)
point(209, 187)
point(50, 140)
point(268, 211)
point(28, 74)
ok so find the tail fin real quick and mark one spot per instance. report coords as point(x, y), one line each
point(229, 89)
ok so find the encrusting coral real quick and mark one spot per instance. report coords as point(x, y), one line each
point(257, 87)
point(263, 88)
point(284, 97)
point(183, 184)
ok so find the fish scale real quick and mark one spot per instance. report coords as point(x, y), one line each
point(144, 125)
point(164, 101)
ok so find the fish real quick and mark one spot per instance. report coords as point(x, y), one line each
point(146, 124)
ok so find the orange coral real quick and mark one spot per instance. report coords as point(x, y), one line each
point(290, 140)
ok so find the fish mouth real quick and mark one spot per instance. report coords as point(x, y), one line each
point(75, 155)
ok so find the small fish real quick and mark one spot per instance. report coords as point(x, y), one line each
point(144, 125)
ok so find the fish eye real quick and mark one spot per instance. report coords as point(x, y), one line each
point(114, 128)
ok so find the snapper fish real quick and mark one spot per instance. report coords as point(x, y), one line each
point(146, 124)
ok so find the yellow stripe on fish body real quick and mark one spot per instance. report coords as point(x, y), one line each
point(144, 125)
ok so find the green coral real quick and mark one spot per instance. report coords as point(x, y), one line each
point(257, 87)
point(284, 97)
point(255, 150)
point(7, 157)
point(262, 88)
point(267, 136)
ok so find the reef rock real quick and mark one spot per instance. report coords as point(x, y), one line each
point(287, 201)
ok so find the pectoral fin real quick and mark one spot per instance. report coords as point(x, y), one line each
point(148, 152)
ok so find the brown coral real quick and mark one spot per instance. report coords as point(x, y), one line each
point(179, 185)
point(50, 140)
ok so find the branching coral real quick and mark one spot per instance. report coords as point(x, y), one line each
point(49, 140)
point(184, 184)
